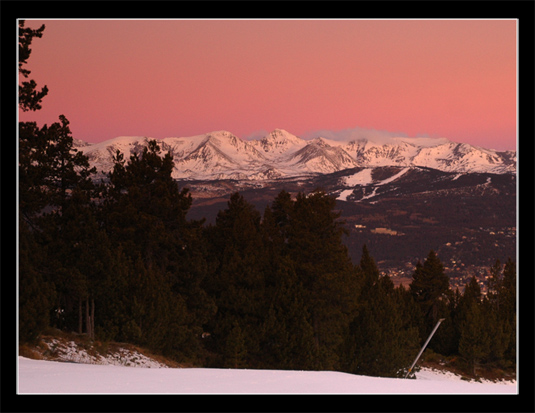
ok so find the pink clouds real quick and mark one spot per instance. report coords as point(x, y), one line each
point(450, 78)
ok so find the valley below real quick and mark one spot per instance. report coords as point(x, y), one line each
point(400, 213)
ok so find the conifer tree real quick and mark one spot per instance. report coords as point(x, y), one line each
point(36, 296)
point(500, 333)
point(369, 272)
point(29, 97)
point(323, 266)
point(144, 205)
point(282, 208)
point(287, 336)
point(83, 250)
point(238, 281)
point(235, 351)
point(463, 303)
point(430, 289)
point(500, 310)
point(382, 337)
point(114, 319)
point(68, 191)
point(510, 304)
point(55, 186)
point(55, 197)
point(144, 213)
point(474, 342)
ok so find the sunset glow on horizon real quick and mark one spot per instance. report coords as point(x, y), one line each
point(165, 78)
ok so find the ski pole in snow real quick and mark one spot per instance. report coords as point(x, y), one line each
point(424, 346)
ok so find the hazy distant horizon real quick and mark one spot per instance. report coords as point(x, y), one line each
point(348, 135)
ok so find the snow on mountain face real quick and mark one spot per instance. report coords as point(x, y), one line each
point(222, 155)
point(279, 142)
point(460, 157)
point(319, 156)
point(218, 154)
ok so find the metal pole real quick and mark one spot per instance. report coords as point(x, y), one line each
point(424, 346)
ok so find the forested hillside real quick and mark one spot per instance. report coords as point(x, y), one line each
point(118, 260)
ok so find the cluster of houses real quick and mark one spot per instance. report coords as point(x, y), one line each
point(459, 272)
point(459, 275)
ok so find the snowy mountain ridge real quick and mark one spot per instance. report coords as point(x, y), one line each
point(280, 154)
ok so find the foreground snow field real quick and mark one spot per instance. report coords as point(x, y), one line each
point(49, 377)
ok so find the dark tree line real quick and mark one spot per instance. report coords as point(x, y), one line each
point(119, 260)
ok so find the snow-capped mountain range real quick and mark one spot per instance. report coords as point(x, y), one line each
point(222, 155)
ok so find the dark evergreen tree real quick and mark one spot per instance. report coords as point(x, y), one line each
point(474, 342)
point(114, 319)
point(430, 290)
point(500, 312)
point(235, 350)
point(54, 187)
point(500, 333)
point(369, 273)
point(144, 213)
point(382, 338)
point(287, 336)
point(49, 166)
point(66, 220)
point(144, 204)
point(81, 250)
point(161, 314)
point(29, 97)
point(323, 266)
point(237, 283)
point(36, 296)
point(282, 208)
point(510, 304)
point(462, 305)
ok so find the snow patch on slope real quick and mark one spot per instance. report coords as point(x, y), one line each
point(69, 351)
point(344, 194)
point(363, 177)
point(394, 177)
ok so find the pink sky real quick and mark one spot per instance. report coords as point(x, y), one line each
point(163, 78)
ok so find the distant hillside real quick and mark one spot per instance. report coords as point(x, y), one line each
point(400, 213)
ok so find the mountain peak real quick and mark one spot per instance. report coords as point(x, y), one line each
point(279, 142)
point(422, 141)
point(278, 131)
point(218, 133)
point(281, 134)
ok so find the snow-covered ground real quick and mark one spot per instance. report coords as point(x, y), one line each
point(70, 351)
point(363, 177)
point(52, 377)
